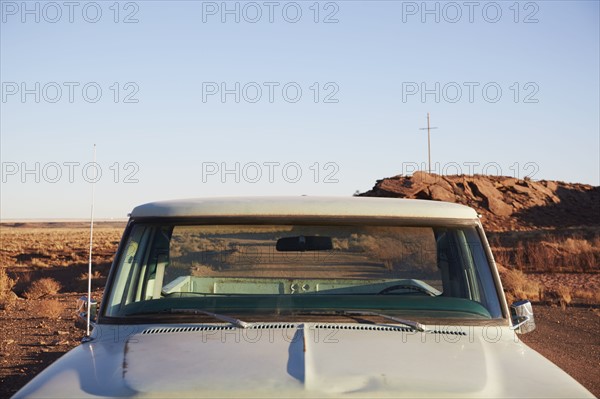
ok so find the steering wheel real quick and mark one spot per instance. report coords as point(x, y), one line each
point(406, 287)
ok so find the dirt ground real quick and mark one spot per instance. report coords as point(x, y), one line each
point(570, 339)
point(30, 342)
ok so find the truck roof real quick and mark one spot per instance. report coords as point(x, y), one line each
point(304, 206)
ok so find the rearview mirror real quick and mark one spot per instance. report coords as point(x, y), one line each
point(304, 243)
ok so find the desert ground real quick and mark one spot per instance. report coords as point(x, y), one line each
point(43, 271)
point(546, 252)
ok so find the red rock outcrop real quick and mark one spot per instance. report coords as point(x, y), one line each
point(505, 203)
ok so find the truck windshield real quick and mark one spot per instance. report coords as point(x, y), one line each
point(274, 269)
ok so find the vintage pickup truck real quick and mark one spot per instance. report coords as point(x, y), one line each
point(304, 297)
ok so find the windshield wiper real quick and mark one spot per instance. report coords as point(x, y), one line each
point(412, 324)
point(232, 320)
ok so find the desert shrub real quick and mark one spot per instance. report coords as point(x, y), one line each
point(41, 288)
point(515, 256)
point(582, 254)
point(543, 256)
point(591, 297)
point(25, 277)
point(520, 256)
point(575, 244)
point(6, 286)
point(340, 243)
point(588, 260)
point(596, 242)
point(39, 262)
point(95, 275)
point(50, 309)
point(552, 254)
point(517, 286)
point(565, 296)
point(502, 256)
point(6, 283)
point(562, 296)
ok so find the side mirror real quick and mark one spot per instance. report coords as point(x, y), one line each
point(522, 317)
point(82, 312)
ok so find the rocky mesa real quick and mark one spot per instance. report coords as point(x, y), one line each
point(505, 203)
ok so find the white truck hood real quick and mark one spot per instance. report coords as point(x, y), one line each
point(304, 360)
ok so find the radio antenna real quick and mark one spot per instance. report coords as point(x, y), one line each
point(89, 289)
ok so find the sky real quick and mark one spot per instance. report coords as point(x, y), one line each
point(199, 98)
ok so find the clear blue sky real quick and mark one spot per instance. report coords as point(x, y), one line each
point(171, 130)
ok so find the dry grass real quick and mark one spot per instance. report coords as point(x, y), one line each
point(95, 275)
point(49, 245)
point(6, 286)
point(50, 309)
point(533, 257)
point(6, 283)
point(587, 296)
point(41, 288)
point(25, 278)
point(517, 286)
point(562, 296)
point(565, 296)
point(552, 254)
point(502, 256)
